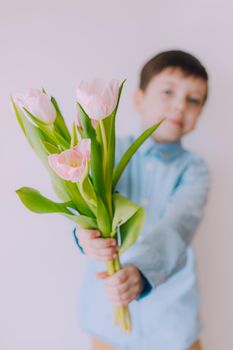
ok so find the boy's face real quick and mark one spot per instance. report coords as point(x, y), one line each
point(174, 96)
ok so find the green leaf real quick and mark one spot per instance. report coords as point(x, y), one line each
point(77, 198)
point(98, 134)
point(103, 220)
point(124, 209)
point(129, 217)
point(87, 191)
point(131, 230)
point(59, 187)
point(74, 136)
point(50, 148)
point(65, 190)
point(49, 131)
point(34, 201)
point(96, 153)
point(108, 132)
point(81, 134)
point(83, 221)
point(33, 134)
point(119, 96)
point(37, 203)
point(40, 123)
point(85, 121)
point(18, 115)
point(36, 137)
point(131, 151)
point(59, 123)
point(60, 140)
point(109, 126)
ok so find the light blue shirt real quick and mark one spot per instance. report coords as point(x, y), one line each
point(172, 184)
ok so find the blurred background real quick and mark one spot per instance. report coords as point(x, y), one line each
point(55, 44)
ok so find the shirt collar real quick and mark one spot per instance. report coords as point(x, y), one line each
point(162, 151)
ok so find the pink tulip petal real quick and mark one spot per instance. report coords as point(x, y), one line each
point(70, 156)
point(84, 86)
point(84, 147)
point(98, 86)
point(38, 103)
point(46, 110)
point(99, 98)
point(32, 92)
point(97, 108)
point(53, 160)
point(71, 164)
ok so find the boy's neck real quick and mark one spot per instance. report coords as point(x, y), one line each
point(165, 150)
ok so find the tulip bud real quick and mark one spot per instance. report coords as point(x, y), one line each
point(38, 103)
point(98, 98)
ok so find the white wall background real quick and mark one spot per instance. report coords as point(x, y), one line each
point(55, 44)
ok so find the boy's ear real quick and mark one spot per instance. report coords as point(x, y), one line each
point(137, 100)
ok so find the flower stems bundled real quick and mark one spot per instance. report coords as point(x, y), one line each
point(82, 166)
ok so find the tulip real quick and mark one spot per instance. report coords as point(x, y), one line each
point(38, 104)
point(71, 164)
point(98, 98)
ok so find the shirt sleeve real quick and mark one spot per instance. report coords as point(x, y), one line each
point(163, 250)
point(77, 242)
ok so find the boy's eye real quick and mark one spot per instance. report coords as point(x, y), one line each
point(167, 92)
point(194, 101)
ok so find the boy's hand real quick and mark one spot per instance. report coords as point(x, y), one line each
point(101, 249)
point(124, 286)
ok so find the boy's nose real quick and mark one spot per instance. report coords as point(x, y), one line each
point(179, 105)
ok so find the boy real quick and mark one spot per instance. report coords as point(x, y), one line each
point(158, 277)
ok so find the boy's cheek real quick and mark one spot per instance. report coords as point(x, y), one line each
point(152, 109)
point(189, 125)
point(150, 120)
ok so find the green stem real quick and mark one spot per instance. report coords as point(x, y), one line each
point(117, 264)
point(104, 139)
point(61, 142)
point(110, 267)
point(105, 159)
point(121, 314)
point(109, 203)
point(87, 191)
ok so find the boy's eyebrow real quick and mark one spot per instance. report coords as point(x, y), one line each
point(196, 93)
point(166, 82)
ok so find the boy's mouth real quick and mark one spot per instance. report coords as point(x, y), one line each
point(175, 122)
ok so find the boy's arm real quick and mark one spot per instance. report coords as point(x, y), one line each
point(162, 252)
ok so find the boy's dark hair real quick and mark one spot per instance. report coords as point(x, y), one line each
point(189, 64)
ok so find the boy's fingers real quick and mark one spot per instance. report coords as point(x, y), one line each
point(104, 258)
point(122, 302)
point(101, 275)
point(120, 289)
point(123, 299)
point(118, 278)
point(95, 254)
point(87, 234)
point(104, 243)
point(110, 252)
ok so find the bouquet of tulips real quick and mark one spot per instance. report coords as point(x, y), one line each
point(81, 164)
